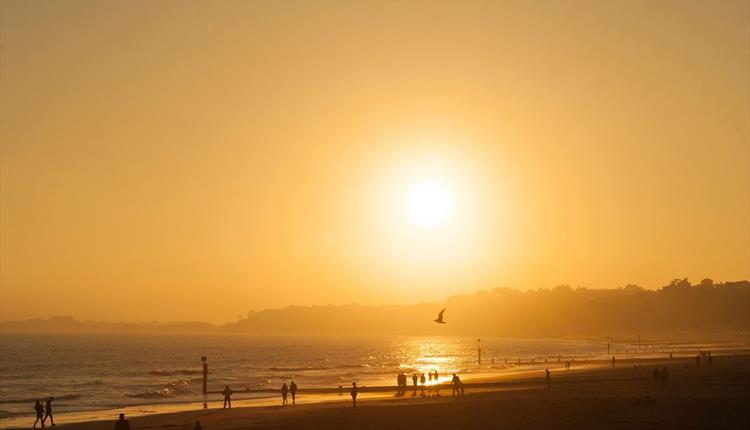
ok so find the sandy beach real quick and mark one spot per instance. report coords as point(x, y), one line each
point(592, 396)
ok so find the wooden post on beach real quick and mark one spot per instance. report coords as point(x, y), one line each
point(205, 374)
point(204, 359)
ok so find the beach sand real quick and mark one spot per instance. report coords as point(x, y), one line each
point(593, 396)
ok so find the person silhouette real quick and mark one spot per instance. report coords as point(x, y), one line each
point(227, 397)
point(284, 391)
point(664, 376)
point(39, 413)
point(414, 379)
point(198, 426)
point(455, 383)
point(613, 361)
point(435, 376)
point(48, 412)
point(710, 359)
point(122, 423)
point(293, 392)
point(697, 360)
point(422, 380)
point(547, 377)
point(353, 392)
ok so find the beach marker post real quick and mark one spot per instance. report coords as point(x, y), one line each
point(479, 351)
point(204, 359)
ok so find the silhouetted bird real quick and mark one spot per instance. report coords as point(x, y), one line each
point(439, 319)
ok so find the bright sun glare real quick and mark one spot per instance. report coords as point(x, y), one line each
point(429, 204)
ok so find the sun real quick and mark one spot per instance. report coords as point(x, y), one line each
point(429, 204)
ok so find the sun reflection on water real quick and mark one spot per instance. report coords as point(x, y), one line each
point(434, 354)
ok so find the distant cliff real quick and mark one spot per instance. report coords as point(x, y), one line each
point(66, 324)
point(678, 308)
point(562, 311)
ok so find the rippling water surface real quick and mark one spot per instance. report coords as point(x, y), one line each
point(87, 372)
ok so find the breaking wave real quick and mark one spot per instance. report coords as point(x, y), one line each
point(307, 368)
point(173, 389)
point(177, 372)
point(32, 400)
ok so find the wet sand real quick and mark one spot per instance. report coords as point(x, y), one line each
point(591, 396)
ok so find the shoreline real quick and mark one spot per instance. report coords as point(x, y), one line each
point(320, 399)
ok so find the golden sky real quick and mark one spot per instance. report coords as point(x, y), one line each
point(193, 160)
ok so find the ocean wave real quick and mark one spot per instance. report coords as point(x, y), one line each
point(93, 383)
point(32, 400)
point(297, 369)
point(173, 389)
point(306, 368)
point(177, 372)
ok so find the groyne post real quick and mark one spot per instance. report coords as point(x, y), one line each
point(204, 359)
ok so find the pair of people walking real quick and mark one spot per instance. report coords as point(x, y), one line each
point(43, 412)
point(286, 390)
point(661, 378)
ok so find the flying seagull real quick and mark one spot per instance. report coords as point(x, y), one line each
point(439, 319)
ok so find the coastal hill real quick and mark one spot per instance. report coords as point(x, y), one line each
point(679, 308)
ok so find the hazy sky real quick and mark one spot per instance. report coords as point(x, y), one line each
point(179, 160)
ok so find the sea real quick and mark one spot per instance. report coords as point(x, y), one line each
point(105, 372)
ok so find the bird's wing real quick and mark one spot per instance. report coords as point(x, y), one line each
point(440, 315)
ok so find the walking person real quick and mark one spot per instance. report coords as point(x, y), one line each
point(293, 392)
point(455, 384)
point(48, 412)
point(198, 426)
point(414, 379)
point(122, 423)
point(547, 377)
point(39, 413)
point(657, 377)
point(353, 392)
point(284, 391)
point(227, 397)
